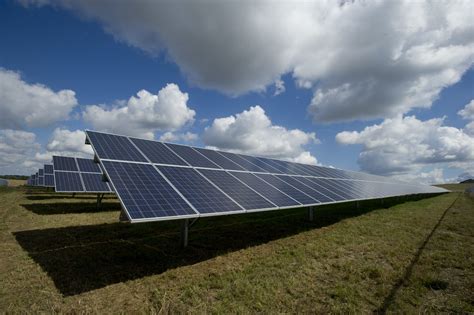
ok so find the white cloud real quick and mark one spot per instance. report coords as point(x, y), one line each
point(252, 132)
point(16, 148)
point(31, 105)
point(435, 176)
point(21, 154)
point(402, 146)
point(144, 114)
point(364, 59)
point(186, 137)
point(279, 87)
point(468, 111)
point(69, 143)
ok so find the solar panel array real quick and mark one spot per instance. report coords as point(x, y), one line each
point(162, 181)
point(76, 175)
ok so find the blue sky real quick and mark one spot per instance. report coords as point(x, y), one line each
point(107, 56)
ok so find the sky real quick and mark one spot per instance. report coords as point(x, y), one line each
point(384, 87)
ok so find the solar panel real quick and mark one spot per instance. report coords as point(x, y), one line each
point(288, 189)
point(114, 147)
point(63, 163)
point(191, 156)
point(48, 169)
point(68, 182)
point(238, 191)
point(219, 159)
point(204, 196)
point(88, 165)
point(93, 182)
point(86, 175)
point(144, 193)
point(259, 162)
point(328, 192)
point(170, 181)
point(310, 191)
point(246, 165)
point(49, 180)
point(263, 188)
point(157, 152)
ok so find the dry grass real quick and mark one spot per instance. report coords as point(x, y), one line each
point(62, 255)
point(456, 187)
point(16, 182)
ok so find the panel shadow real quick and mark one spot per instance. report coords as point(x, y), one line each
point(71, 207)
point(83, 258)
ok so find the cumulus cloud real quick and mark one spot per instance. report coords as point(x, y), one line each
point(20, 153)
point(252, 132)
point(143, 114)
point(468, 111)
point(363, 59)
point(31, 105)
point(16, 149)
point(435, 176)
point(186, 137)
point(67, 142)
point(405, 145)
point(279, 87)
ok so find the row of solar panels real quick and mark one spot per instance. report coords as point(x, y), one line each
point(162, 181)
point(120, 148)
point(73, 175)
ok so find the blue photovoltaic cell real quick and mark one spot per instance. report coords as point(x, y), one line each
point(266, 190)
point(49, 180)
point(286, 167)
point(48, 169)
point(144, 192)
point(234, 188)
point(246, 165)
point(331, 186)
point(260, 163)
point(353, 187)
point(88, 165)
point(191, 156)
point(114, 147)
point(328, 192)
point(157, 152)
point(198, 191)
point(68, 182)
point(288, 189)
point(41, 172)
point(219, 159)
point(94, 183)
point(313, 192)
point(63, 163)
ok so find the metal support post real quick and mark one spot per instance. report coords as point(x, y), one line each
point(99, 200)
point(184, 233)
point(311, 214)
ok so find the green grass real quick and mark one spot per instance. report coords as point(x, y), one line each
point(59, 254)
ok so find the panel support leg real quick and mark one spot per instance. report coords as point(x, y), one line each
point(310, 214)
point(99, 200)
point(184, 233)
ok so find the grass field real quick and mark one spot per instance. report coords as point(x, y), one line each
point(59, 254)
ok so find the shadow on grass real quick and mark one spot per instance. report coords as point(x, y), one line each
point(71, 207)
point(83, 258)
point(46, 196)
